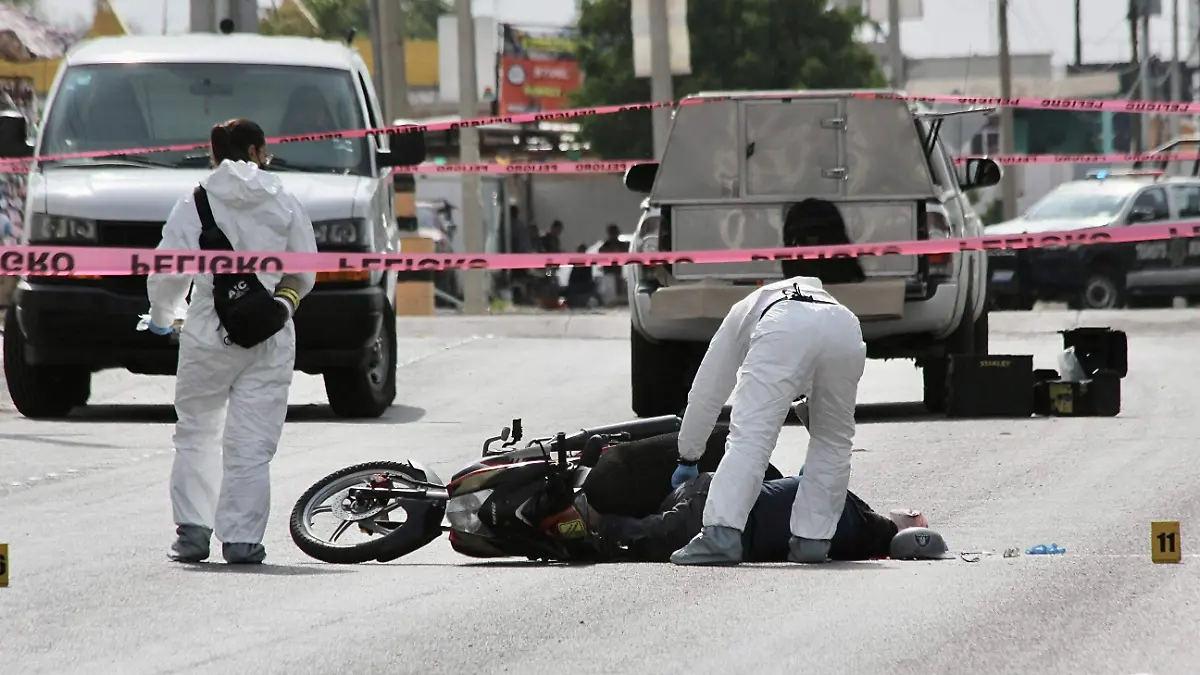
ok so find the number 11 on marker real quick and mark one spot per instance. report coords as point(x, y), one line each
point(1165, 545)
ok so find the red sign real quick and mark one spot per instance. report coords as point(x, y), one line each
point(538, 70)
point(529, 85)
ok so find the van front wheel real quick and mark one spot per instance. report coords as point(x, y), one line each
point(40, 391)
point(368, 390)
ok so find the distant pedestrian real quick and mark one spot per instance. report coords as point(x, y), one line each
point(552, 240)
point(610, 281)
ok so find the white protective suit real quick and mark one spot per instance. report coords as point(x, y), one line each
point(257, 214)
point(796, 348)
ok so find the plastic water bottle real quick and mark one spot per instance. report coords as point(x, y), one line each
point(1041, 549)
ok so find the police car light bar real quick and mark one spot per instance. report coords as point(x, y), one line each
point(1101, 174)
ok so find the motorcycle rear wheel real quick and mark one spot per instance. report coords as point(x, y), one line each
point(421, 526)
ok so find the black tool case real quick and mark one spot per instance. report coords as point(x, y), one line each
point(1099, 349)
point(1099, 396)
point(990, 385)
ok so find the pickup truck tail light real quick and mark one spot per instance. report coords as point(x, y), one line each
point(938, 227)
point(646, 241)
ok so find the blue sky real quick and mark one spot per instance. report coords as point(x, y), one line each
point(950, 27)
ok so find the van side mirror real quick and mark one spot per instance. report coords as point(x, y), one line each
point(14, 135)
point(640, 177)
point(406, 149)
point(981, 172)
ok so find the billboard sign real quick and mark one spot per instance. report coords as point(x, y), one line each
point(538, 69)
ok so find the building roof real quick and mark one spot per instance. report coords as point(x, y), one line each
point(24, 38)
point(1075, 86)
point(214, 48)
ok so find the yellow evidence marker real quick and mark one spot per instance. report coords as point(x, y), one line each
point(3, 565)
point(1165, 546)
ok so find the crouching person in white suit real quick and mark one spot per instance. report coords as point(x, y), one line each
point(236, 350)
point(787, 339)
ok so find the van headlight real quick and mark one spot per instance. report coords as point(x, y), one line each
point(463, 511)
point(45, 228)
point(345, 232)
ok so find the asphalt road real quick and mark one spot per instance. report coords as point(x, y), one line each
point(83, 507)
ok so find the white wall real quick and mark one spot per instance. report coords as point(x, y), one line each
point(487, 45)
point(586, 205)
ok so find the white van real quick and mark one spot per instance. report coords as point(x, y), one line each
point(126, 93)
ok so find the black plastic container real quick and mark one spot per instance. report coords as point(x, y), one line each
point(1041, 389)
point(1099, 349)
point(1099, 396)
point(990, 385)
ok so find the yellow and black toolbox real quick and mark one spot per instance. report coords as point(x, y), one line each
point(1104, 355)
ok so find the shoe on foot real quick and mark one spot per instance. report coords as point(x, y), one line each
point(714, 545)
point(243, 554)
point(801, 550)
point(191, 543)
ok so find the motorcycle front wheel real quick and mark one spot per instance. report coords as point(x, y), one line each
point(386, 537)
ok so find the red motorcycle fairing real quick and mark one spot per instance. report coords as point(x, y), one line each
point(490, 477)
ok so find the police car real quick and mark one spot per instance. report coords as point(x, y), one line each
point(1102, 276)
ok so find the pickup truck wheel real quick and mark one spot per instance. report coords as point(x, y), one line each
point(40, 392)
point(969, 338)
point(367, 391)
point(661, 375)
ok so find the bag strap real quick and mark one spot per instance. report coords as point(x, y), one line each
point(211, 236)
point(796, 295)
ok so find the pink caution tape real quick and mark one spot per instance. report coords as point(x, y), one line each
point(95, 261)
point(1121, 106)
point(622, 165)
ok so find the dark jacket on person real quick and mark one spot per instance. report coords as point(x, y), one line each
point(861, 533)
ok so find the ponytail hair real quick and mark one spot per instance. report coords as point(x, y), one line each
point(233, 139)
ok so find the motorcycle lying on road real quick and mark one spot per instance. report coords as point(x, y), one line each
point(491, 508)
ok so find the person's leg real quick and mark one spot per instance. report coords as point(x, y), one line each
point(777, 365)
point(202, 382)
point(257, 411)
point(822, 492)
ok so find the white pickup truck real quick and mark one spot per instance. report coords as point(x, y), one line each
point(731, 170)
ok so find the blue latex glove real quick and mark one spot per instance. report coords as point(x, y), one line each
point(684, 473)
point(159, 330)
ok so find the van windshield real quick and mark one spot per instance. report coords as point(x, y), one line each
point(144, 105)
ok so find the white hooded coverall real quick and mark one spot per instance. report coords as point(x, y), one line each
point(220, 478)
point(796, 348)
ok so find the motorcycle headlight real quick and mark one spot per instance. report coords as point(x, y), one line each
point(45, 228)
point(350, 232)
point(463, 511)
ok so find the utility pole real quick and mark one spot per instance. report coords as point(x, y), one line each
point(662, 88)
point(1078, 33)
point(1008, 186)
point(474, 292)
point(380, 81)
point(393, 66)
point(1176, 69)
point(1144, 71)
point(895, 53)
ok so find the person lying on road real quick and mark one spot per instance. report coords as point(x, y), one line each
point(861, 533)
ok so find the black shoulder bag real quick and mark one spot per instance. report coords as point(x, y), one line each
point(247, 310)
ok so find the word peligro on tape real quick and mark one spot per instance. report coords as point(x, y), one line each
point(96, 261)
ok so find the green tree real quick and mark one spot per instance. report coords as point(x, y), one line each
point(335, 18)
point(735, 45)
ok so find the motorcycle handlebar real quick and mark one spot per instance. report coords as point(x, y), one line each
point(643, 428)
